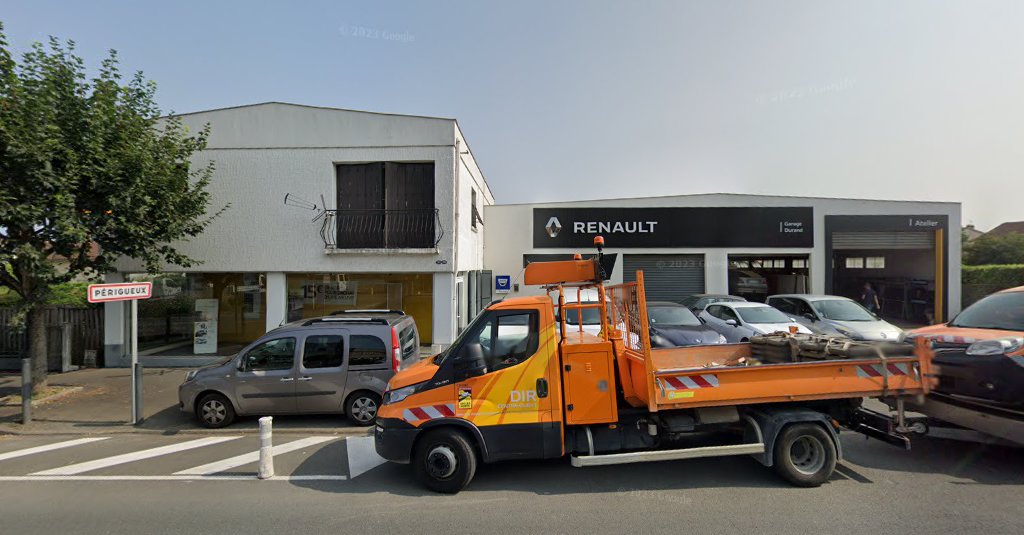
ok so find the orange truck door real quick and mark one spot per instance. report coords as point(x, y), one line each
point(511, 401)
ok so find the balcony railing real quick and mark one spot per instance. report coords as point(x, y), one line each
point(382, 229)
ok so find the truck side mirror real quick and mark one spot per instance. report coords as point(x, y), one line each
point(471, 362)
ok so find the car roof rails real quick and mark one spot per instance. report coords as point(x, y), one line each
point(335, 319)
point(368, 311)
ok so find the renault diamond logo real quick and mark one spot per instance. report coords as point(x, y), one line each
point(553, 227)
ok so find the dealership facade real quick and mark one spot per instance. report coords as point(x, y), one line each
point(750, 245)
point(332, 209)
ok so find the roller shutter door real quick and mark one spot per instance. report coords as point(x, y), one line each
point(666, 277)
point(883, 240)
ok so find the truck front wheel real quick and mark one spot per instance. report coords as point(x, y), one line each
point(805, 455)
point(444, 461)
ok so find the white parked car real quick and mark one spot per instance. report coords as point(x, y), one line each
point(737, 322)
point(591, 317)
point(833, 314)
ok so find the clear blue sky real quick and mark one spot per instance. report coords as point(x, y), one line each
point(566, 100)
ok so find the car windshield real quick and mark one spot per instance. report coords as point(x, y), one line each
point(672, 315)
point(1004, 311)
point(591, 316)
point(842, 310)
point(765, 314)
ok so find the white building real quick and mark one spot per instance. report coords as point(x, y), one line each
point(402, 230)
point(751, 245)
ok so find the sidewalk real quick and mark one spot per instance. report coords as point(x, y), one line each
point(103, 405)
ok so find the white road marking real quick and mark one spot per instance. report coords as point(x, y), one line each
point(248, 458)
point(133, 456)
point(362, 456)
point(48, 447)
point(172, 478)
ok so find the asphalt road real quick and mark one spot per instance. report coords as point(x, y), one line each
point(940, 487)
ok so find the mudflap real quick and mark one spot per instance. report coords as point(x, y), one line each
point(876, 425)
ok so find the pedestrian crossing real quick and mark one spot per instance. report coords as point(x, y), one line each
point(160, 458)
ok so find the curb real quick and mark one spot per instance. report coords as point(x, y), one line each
point(9, 430)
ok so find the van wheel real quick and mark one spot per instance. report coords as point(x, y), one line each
point(444, 461)
point(215, 411)
point(805, 455)
point(361, 408)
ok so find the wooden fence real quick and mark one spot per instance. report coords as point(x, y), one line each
point(84, 325)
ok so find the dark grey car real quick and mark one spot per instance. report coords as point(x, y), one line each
point(334, 364)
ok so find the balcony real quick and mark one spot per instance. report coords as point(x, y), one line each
point(411, 230)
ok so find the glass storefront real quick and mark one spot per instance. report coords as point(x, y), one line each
point(201, 313)
point(318, 294)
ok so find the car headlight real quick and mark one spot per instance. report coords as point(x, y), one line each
point(999, 346)
point(191, 375)
point(394, 396)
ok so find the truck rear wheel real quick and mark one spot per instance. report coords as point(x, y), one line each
point(805, 455)
point(445, 461)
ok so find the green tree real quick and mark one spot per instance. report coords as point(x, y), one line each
point(988, 250)
point(88, 161)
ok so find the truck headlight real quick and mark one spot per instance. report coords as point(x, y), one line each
point(998, 346)
point(394, 396)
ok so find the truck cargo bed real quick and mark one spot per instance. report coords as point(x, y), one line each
point(705, 376)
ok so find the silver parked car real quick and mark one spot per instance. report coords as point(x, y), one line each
point(739, 321)
point(833, 314)
point(334, 364)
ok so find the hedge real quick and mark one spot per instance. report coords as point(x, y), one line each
point(979, 281)
point(72, 294)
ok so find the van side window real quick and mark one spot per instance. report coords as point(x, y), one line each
point(277, 354)
point(366, 350)
point(323, 351)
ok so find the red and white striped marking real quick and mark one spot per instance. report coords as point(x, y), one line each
point(876, 370)
point(690, 382)
point(428, 412)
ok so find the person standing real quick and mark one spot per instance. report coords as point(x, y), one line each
point(869, 298)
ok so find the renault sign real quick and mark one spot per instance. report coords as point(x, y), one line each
point(729, 226)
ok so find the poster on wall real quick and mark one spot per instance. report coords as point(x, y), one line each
point(330, 292)
point(204, 337)
point(252, 299)
point(204, 331)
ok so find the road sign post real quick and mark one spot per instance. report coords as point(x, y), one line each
point(127, 291)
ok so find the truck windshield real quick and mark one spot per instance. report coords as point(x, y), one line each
point(842, 310)
point(1004, 311)
point(679, 315)
point(765, 314)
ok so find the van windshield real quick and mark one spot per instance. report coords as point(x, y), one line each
point(1003, 311)
point(842, 310)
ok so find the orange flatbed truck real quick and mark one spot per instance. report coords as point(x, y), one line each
point(517, 384)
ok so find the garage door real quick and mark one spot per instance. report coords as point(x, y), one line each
point(666, 277)
point(883, 240)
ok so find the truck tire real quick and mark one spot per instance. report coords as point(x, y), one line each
point(805, 455)
point(444, 461)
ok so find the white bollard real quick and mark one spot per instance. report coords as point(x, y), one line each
point(266, 445)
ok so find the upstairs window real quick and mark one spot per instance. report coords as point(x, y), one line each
point(385, 205)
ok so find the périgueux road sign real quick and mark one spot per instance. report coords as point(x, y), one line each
point(121, 291)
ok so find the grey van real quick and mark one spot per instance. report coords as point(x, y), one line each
point(334, 364)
